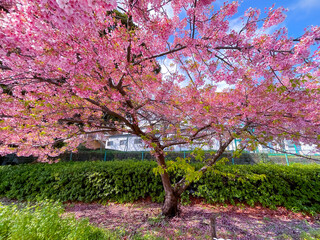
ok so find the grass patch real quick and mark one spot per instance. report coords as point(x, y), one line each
point(44, 221)
point(312, 235)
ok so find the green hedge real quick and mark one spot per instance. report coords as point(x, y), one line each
point(296, 187)
point(81, 181)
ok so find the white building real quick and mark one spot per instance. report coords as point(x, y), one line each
point(125, 142)
point(129, 142)
point(287, 146)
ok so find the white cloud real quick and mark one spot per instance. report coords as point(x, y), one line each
point(236, 24)
point(168, 67)
point(269, 30)
point(306, 5)
point(121, 4)
point(222, 86)
point(167, 9)
point(218, 3)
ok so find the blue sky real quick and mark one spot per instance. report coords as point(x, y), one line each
point(301, 13)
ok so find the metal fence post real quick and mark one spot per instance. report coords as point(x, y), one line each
point(287, 159)
point(71, 156)
point(142, 155)
point(235, 149)
point(295, 148)
point(105, 155)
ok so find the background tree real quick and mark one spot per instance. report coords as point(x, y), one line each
point(64, 73)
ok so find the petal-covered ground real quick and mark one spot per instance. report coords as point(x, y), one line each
point(232, 222)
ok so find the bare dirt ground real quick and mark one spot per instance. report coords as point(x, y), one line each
point(233, 222)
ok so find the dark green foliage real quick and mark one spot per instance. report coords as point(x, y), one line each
point(296, 187)
point(81, 181)
point(83, 156)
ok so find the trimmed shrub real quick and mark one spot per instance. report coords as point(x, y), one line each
point(81, 181)
point(296, 187)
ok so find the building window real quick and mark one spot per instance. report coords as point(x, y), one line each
point(123, 142)
point(110, 143)
point(138, 141)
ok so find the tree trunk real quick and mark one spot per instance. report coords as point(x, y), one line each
point(172, 194)
point(170, 206)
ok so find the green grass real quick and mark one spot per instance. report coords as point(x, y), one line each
point(44, 221)
point(312, 235)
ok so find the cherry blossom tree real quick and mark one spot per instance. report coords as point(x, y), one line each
point(69, 68)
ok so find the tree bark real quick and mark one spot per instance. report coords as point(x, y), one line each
point(170, 207)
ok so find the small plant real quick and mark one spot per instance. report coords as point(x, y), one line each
point(185, 198)
point(158, 220)
point(266, 219)
point(311, 235)
point(285, 237)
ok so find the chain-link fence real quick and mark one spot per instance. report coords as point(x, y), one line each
point(245, 158)
point(287, 159)
point(111, 155)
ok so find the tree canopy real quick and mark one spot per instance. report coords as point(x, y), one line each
point(75, 67)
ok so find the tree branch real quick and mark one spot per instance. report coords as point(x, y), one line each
point(2, 67)
point(160, 55)
point(182, 185)
point(299, 39)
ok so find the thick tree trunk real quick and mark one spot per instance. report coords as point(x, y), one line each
point(170, 207)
